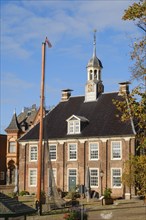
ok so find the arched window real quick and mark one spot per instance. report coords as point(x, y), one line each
point(95, 74)
point(90, 75)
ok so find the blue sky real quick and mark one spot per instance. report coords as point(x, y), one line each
point(69, 26)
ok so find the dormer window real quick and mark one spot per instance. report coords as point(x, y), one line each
point(74, 124)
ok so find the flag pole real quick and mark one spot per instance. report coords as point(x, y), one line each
point(39, 173)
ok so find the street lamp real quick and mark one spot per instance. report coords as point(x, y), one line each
point(101, 176)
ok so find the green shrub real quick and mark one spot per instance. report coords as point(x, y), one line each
point(107, 193)
point(23, 193)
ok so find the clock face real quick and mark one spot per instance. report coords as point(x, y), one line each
point(90, 88)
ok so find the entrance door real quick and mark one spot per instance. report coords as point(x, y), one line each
point(72, 179)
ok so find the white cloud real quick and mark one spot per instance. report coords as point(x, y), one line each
point(27, 22)
point(11, 81)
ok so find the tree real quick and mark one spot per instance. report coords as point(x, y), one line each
point(137, 13)
point(135, 173)
point(133, 106)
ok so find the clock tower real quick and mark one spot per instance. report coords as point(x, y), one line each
point(94, 84)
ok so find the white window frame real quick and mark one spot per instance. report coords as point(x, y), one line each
point(12, 147)
point(91, 150)
point(92, 169)
point(112, 176)
point(54, 145)
point(112, 150)
point(69, 151)
point(33, 153)
point(35, 176)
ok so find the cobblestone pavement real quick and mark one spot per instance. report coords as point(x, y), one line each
point(122, 210)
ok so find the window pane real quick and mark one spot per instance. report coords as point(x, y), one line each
point(12, 147)
point(72, 152)
point(33, 177)
point(93, 177)
point(116, 177)
point(52, 152)
point(77, 126)
point(33, 153)
point(72, 172)
point(73, 127)
point(93, 151)
point(116, 150)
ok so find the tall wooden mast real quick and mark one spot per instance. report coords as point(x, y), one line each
point(39, 173)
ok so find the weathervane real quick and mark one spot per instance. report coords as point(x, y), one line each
point(95, 36)
point(94, 43)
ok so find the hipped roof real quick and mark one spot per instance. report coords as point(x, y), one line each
point(101, 115)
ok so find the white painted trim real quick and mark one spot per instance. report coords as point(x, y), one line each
point(82, 140)
point(73, 116)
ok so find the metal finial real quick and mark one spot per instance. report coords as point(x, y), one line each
point(95, 36)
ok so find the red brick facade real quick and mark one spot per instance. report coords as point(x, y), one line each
point(3, 147)
point(62, 164)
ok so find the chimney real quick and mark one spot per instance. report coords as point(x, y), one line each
point(124, 88)
point(66, 93)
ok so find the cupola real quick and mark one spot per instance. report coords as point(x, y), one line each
point(94, 84)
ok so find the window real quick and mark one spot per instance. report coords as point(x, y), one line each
point(12, 147)
point(33, 177)
point(2, 175)
point(94, 151)
point(116, 178)
point(74, 127)
point(116, 150)
point(94, 177)
point(52, 152)
point(33, 153)
point(72, 152)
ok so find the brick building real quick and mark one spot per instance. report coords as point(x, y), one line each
point(81, 133)
point(3, 148)
point(18, 126)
